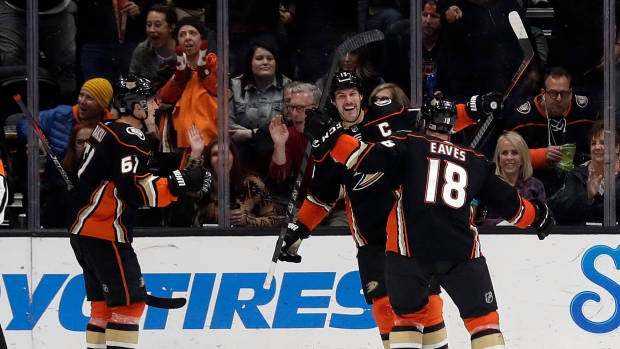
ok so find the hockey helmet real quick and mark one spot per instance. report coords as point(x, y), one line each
point(439, 115)
point(132, 90)
point(342, 80)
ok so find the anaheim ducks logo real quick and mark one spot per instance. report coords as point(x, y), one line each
point(135, 131)
point(371, 286)
point(525, 108)
point(366, 180)
point(582, 101)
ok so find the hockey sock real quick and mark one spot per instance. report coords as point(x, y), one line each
point(435, 335)
point(95, 337)
point(201, 69)
point(180, 74)
point(384, 317)
point(121, 336)
point(407, 331)
point(484, 331)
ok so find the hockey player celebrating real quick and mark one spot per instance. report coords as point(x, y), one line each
point(114, 182)
point(369, 200)
point(429, 228)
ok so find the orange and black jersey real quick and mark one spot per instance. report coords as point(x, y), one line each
point(431, 219)
point(114, 182)
point(369, 197)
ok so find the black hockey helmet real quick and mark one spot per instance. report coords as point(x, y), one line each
point(439, 115)
point(132, 90)
point(342, 80)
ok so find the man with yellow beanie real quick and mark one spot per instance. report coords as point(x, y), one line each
point(57, 123)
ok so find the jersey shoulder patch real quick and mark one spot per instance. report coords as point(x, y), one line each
point(525, 108)
point(582, 101)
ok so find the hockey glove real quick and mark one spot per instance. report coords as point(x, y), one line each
point(181, 74)
point(480, 106)
point(544, 221)
point(295, 233)
point(322, 131)
point(191, 179)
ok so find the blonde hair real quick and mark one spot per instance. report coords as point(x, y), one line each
point(526, 171)
point(397, 92)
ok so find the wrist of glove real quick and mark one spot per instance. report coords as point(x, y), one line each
point(191, 179)
point(544, 221)
point(295, 233)
point(322, 131)
point(480, 106)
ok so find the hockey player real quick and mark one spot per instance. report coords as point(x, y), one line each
point(369, 199)
point(430, 227)
point(114, 182)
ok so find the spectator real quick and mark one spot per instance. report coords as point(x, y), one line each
point(193, 8)
point(250, 204)
point(192, 89)
point(106, 50)
point(56, 39)
point(286, 101)
point(289, 150)
point(481, 50)
point(57, 125)
point(382, 13)
point(257, 98)
point(581, 199)
point(390, 91)
point(358, 62)
point(512, 161)
point(554, 118)
point(578, 30)
point(155, 57)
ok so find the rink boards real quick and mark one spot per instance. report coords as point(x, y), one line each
point(558, 293)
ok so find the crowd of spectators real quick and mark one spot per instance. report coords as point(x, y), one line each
point(279, 54)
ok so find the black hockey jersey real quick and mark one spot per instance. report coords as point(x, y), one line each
point(114, 182)
point(432, 219)
point(369, 197)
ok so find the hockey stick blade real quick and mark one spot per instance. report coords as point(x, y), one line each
point(348, 45)
point(44, 141)
point(165, 303)
point(528, 54)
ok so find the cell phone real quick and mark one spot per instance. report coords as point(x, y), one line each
point(235, 206)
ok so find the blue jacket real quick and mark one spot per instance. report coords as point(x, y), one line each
point(56, 125)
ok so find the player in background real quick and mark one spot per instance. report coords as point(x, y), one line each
point(113, 182)
point(369, 200)
point(430, 228)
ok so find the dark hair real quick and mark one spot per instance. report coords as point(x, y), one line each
point(364, 67)
point(169, 12)
point(70, 162)
point(557, 72)
point(598, 127)
point(248, 77)
point(237, 173)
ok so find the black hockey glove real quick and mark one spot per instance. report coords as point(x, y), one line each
point(480, 106)
point(295, 233)
point(191, 179)
point(544, 221)
point(322, 131)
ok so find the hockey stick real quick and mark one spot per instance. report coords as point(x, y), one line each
point(348, 45)
point(157, 302)
point(528, 54)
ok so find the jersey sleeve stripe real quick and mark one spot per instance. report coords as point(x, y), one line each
point(525, 216)
point(344, 147)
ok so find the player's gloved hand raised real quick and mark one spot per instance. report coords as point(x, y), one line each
point(295, 233)
point(191, 179)
point(544, 221)
point(480, 106)
point(322, 131)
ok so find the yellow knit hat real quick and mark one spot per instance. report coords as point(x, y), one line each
point(101, 89)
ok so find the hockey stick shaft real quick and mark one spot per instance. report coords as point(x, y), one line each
point(157, 302)
point(349, 45)
point(528, 54)
point(44, 141)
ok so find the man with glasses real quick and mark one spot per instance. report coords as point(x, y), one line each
point(555, 125)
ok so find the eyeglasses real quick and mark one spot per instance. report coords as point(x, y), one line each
point(80, 141)
point(298, 108)
point(554, 94)
point(375, 99)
